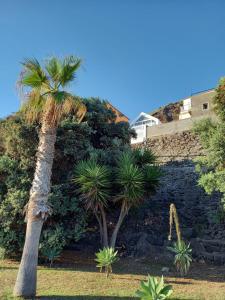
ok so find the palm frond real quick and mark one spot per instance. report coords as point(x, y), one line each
point(94, 183)
point(54, 69)
point(144, 156)
point(69, 67)
point(32, 108)
point(130, 179)
point(33, 75)
point(60, 104)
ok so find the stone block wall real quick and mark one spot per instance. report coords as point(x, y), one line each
point(179, 185)
point(174, 147)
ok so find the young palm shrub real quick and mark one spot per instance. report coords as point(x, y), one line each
point(133, 180)
point(182, 259)
point(137, 176)
point(105, 259)
point(94, 186)
point(153, 289)
point(46, 103)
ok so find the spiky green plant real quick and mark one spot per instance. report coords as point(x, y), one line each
point(182, 259)
point(93, 180)
point(105, 258)
point(152, 289)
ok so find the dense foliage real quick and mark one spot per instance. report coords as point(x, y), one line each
point(212, 135)
point(75, 142)
point(128, 182)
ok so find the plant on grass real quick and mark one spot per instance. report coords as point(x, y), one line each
point(182, 259)
point(105, 259)
point(52, 243)
point(152, 289)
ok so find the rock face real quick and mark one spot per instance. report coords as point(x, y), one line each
point(168, 113)
point(174, 147)
point(145, 230)
point(198, 212)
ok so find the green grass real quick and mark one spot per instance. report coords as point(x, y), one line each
point(77, 278)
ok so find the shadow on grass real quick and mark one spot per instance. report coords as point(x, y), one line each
point(93, 298)
point(89, 298)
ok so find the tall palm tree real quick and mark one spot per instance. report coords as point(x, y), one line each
point(47, 103)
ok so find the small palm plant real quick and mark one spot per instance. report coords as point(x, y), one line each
point(105, 258)
point(152, 289)
point(182, 259)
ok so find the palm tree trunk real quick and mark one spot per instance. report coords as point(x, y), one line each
point(104, 225)
point(100, 227)
point(123, 213)
point(37, 212)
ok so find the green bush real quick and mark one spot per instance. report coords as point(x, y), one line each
point(105, 259)
point(75, 142)
point(183, 257)
point(152, 289)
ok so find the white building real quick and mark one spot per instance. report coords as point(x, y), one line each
point(185, 110)
point(140, 125)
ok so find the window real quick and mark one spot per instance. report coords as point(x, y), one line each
point(205, 106)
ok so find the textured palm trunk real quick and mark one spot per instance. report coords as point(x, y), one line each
point(104, 227)
point(37, 212)
point(123, 213)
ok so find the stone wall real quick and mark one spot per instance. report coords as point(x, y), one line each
point(174, 147)
point(198, 212)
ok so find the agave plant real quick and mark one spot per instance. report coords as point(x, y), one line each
point(105, 258)
point(182, 259)
point(152, 289)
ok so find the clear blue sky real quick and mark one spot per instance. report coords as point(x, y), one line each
point(138, 54)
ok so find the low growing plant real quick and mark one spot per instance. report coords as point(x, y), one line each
point(105, 258)
point(182, 259)
point(152, 289)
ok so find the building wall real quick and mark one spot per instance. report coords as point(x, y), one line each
point(197, 102)
point(176, 126)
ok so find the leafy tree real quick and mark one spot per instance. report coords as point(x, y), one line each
point(211, 167)
point(47, 103)
point(18, 145)
point(134, 178)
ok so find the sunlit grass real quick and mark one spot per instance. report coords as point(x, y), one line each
point(81, 280)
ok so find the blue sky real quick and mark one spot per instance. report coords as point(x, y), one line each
point(138, 54)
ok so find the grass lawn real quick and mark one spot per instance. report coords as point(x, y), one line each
point(76, 277)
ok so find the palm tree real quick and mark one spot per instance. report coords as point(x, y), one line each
point(46, 103)
point(135, 177)
point(130, 180)
point(94, 182)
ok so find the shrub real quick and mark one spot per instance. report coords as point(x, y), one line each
point(152, 289)
point(105, 258)
point(183, 257)
point(52, 243)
